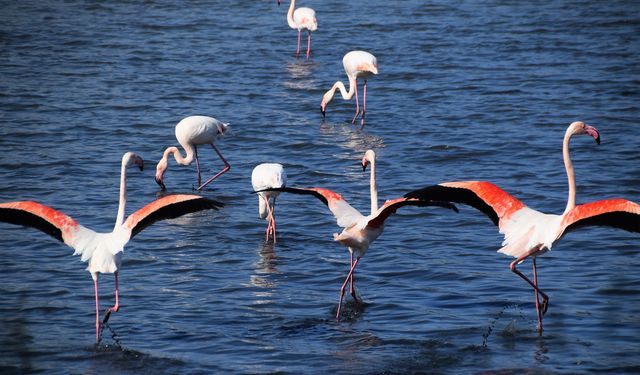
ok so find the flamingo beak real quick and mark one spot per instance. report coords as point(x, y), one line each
point(364, 164)
point(323, 111)
point(592, 132)
point(161, 184)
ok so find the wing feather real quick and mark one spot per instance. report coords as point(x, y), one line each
point(617, 213)
point(168, 207)
point(345, 214)
point(484, 196)
point(41, 217)
point(391, 206)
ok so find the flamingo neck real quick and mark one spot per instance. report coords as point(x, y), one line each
point(571, 200)
point(373, 188)
point(290, 21)
point(123, 196)
point(346, 95)
point(176, 154)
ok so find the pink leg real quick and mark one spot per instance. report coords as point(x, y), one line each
point(351, 287)
point(223, 170)
point(273, 219)
point(545, 299)
point(535, 282)
point(115, 307)
point(308, 43)
point(95, 287)
point(197, 164)
point(364, 105)
point(357, 104)
point(269, 219)
point(344, 285)
point(298, 50)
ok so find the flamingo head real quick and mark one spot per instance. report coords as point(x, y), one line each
point(579, 127)
point(368, 158)
point(326, 99)
point(130, 159)
point(160, 169)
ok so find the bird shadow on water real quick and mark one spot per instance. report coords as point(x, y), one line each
point(350, 136)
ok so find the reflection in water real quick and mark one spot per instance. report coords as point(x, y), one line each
point(266, 265)
point(350, 136)
point(301, 75)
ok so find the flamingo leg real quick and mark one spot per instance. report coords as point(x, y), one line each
point(269, 218)
point(344, 285)
point(308, 43)
point(115, 307)
point(357, 104)
point(95, 288)
point(545, 299)
point(223, 170)
point(273, 219)
point(298, 50)
point(351, 287)
point(535, 282)
point(364, 104)
point(197, 164)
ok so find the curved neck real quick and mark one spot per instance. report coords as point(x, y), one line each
point(346, 95)
point(123, 196)
point(290, 20)
point(373, 188)
point(571, 200)
point(176, 154)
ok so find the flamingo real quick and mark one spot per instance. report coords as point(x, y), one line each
point(193, 131)
point(103, 251)
point(302, 19)
point(357, 64)
point(359, 230)
point(264, 176)
point(529, 233)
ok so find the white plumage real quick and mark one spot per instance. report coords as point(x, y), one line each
point(266, 176)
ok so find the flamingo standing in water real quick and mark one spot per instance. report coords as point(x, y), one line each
point(359, 230)
point(103, 251)
point(265, 176)
point(302, 19)
point(357, 64)
point(193, 131)
point(530, 233)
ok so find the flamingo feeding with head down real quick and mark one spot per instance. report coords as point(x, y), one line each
point(359, 230)
point(302, 19)
point(103, 251)
point(193, 131)
point(530, 233)
point(265, 176)
point(357, 64)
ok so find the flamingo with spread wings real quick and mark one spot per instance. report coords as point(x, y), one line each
point(359, 230)
point(529, 233)
point(103, 251)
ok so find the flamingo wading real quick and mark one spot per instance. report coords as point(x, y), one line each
point(302, 19)
point(193, 131)
point(103, 251)
point(265, 176)
point(529, 233)
point(359, 230)
point(357, 64)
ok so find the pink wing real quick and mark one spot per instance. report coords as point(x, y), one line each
point(44, 218)
point(168, 207)
point(618, 213)
point(486, 197)
point(343, 211)
point(389, 207)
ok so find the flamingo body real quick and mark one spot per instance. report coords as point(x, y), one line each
point(302, 18)
point(265, 176)
point(102, 251)
point(357, 64)
point(359, 231)
point(530, 233)
point(190, 132)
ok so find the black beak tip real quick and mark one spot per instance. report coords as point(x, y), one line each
point(324, 113)
point(598, 139)
point(161, 184)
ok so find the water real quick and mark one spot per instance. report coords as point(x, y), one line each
point(466, 90)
